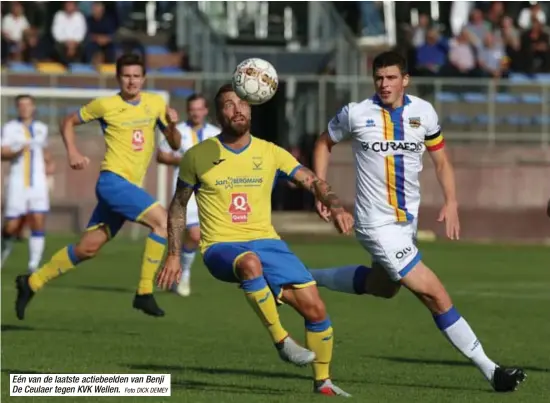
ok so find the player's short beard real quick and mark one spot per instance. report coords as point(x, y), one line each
point(237, 129)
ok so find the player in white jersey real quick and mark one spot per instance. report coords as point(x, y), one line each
point(389, 133)
point(193, 131)
point(24, 144)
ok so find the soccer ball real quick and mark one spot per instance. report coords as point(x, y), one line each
point(255, 80)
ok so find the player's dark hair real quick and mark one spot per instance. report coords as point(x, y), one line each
point(129, 59)
point(196, 97)
point(222, 90)
point(23, 96)
point(388, 59)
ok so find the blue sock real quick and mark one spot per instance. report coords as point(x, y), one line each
point(348, 279)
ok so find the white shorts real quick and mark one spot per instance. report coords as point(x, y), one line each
point(20, 202)
point(192, 217)
point(393, 246)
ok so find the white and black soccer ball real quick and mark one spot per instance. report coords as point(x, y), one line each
point(255, 80)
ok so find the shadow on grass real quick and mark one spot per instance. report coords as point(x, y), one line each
point(19, 328)
point(221, 371)
point(452, 363)
point(101, 288)
point(285, 375)
point(207, 386)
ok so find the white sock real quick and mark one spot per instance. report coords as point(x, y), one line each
point(36, 248)
point(187, 259)
point(7, 247)
point(461, 335)
point(348, 279)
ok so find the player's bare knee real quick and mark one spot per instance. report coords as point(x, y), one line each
point(387, 291)
point(248, 267)
point(194, 236)
point(91, 243)
point(315, 312)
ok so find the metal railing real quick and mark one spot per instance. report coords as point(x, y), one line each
point(475, 110)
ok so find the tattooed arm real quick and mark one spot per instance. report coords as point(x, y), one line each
point(176, 218)
point(321, 189)
point(324, 193)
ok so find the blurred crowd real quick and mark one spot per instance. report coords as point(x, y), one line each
point(66, 32)
point(492, 43)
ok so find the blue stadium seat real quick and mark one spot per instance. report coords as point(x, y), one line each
point(156, 50)
point(458, 119)
point(504, 98)
point(541, 119)
point(447, 97)
point(183, 92)
point(542, 77)
point(519, 78)
point(81, 68)
point(517, 120)
point(475, 97)
point(483, 119)
point(21, 67)
point(531, 98)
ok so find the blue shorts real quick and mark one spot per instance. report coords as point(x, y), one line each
point(118, 201)
point(280, 266)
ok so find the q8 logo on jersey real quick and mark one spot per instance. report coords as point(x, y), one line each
point(239, 208)
point(138, 140)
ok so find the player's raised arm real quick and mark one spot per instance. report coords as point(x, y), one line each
point(324, 193)
point(167, 124)
point(435, 144)
point(165, 154)
point(91, 111)
point(339, 128)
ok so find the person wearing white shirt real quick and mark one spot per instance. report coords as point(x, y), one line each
point(69, 30)
point(193, 131)
point(389, 133)
point(14, 26)
point(24, 145)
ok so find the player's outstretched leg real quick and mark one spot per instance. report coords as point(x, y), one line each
point(429, 289)
point(249, 270)
point(9, 235)
point(155, 218)
point(187, 258)
point(36, 240)
point(319, 335)
point(61, 262)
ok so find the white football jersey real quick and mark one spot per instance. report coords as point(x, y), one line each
point(29, 169)
point(388, 146)
point(189, 138)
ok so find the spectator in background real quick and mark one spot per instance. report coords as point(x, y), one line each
point(431, 56)
point(462, 58)
point(535, 49)
point(101, 29)
point(491, 58)
point(14, 26)
point(420, 31)
point(477, 28)
point(528, 15)
point(495, 15)
point(69, 31)
point(511, 42)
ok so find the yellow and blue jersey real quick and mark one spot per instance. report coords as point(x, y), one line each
point(129, 130)
point(233, 188)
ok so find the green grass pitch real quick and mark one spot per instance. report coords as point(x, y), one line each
point(216, 351)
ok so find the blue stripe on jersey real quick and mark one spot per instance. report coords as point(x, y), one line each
point(31, 168)
point(399, 135)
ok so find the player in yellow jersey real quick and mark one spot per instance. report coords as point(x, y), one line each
point(128, 120)
point(232, 175)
